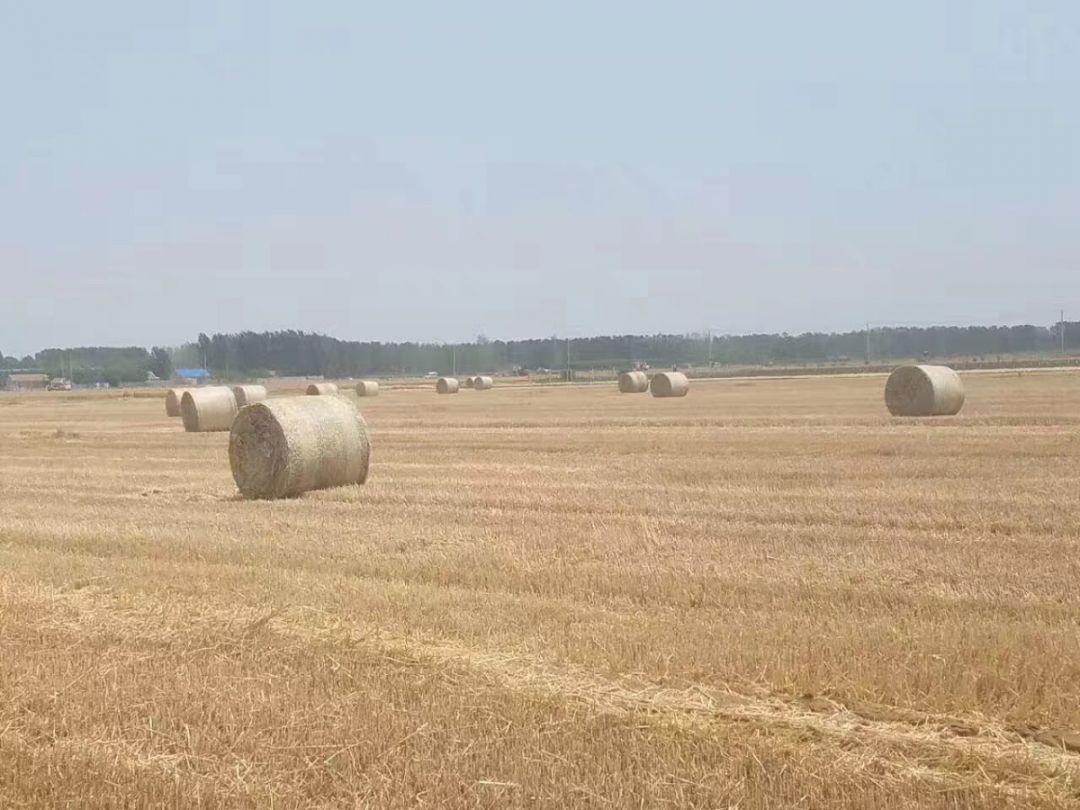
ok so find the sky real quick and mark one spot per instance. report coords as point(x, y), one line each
point(433, 171)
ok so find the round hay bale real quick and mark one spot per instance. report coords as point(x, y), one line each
point(669, 384)
point(633, 382)
point(321, 389)
point(283, 447)
point(248, 394)
point(924, 391)
point(469, 382)
point(447, 385)
point(483, 383)
point(367, 388)
point(208, 409)
point(172, 401)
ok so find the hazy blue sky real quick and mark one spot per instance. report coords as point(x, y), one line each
point(434, 170)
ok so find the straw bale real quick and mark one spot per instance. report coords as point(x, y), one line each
point(633, 382)
point(924, 391)
point(208, 409)
point(172, 401)
point(669, 384)
point(283, 447)
point(248, 394)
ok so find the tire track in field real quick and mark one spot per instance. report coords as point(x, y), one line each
point(902, 744)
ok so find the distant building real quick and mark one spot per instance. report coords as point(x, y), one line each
point(192, 375)
point(18, 381)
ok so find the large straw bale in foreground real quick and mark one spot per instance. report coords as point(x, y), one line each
point(283, 447)
point(248, 394)
point(321, 389)
point(172, 401)
point(447, 385)
point(367, 388)
point(483, 383)
point(633, 382)
point(669, 384)
point(208, 409)
point(924, 391)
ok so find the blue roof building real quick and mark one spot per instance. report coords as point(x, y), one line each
point(193, 374)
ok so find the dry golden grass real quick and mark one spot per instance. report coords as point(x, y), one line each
point(767, 594)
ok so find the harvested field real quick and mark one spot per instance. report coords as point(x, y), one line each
point(768, 594)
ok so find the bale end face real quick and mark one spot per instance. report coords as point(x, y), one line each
point(669, 384)
point(172, 402)
point(282, 448)
point(633, 382)
point(483, 383)
point(206, 410)
point(248, 394)
point(924, 391)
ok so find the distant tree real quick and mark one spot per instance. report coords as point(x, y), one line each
point(161, 363)
point(204, 345)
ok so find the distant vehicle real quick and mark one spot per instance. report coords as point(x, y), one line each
point(432, 374)
point(59, 384)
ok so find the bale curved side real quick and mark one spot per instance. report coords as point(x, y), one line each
point(469, 382)
point(669, 384)
point(633, 382)
point(447, 385)
point(483, 383)
point(367, 388)
point(248, 394)
point(205, 410)
point(172, 401)
point(284, 447)
point(924, 391)
point(321, 389)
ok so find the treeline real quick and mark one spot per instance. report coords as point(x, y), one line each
point(299, 353)
point(294, 353)
point(94, 364)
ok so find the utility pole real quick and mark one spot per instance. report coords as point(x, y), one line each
point(868, 343)
point(710, 348)
point(453, 354)
point(568, 375)
point(1061, 331)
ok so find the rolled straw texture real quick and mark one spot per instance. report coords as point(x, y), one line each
point(669, 384)
point(172, 401)
point(633, 382)
point(283, 447)
point(248, 394)
point(924, 391)
point(205, 410)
